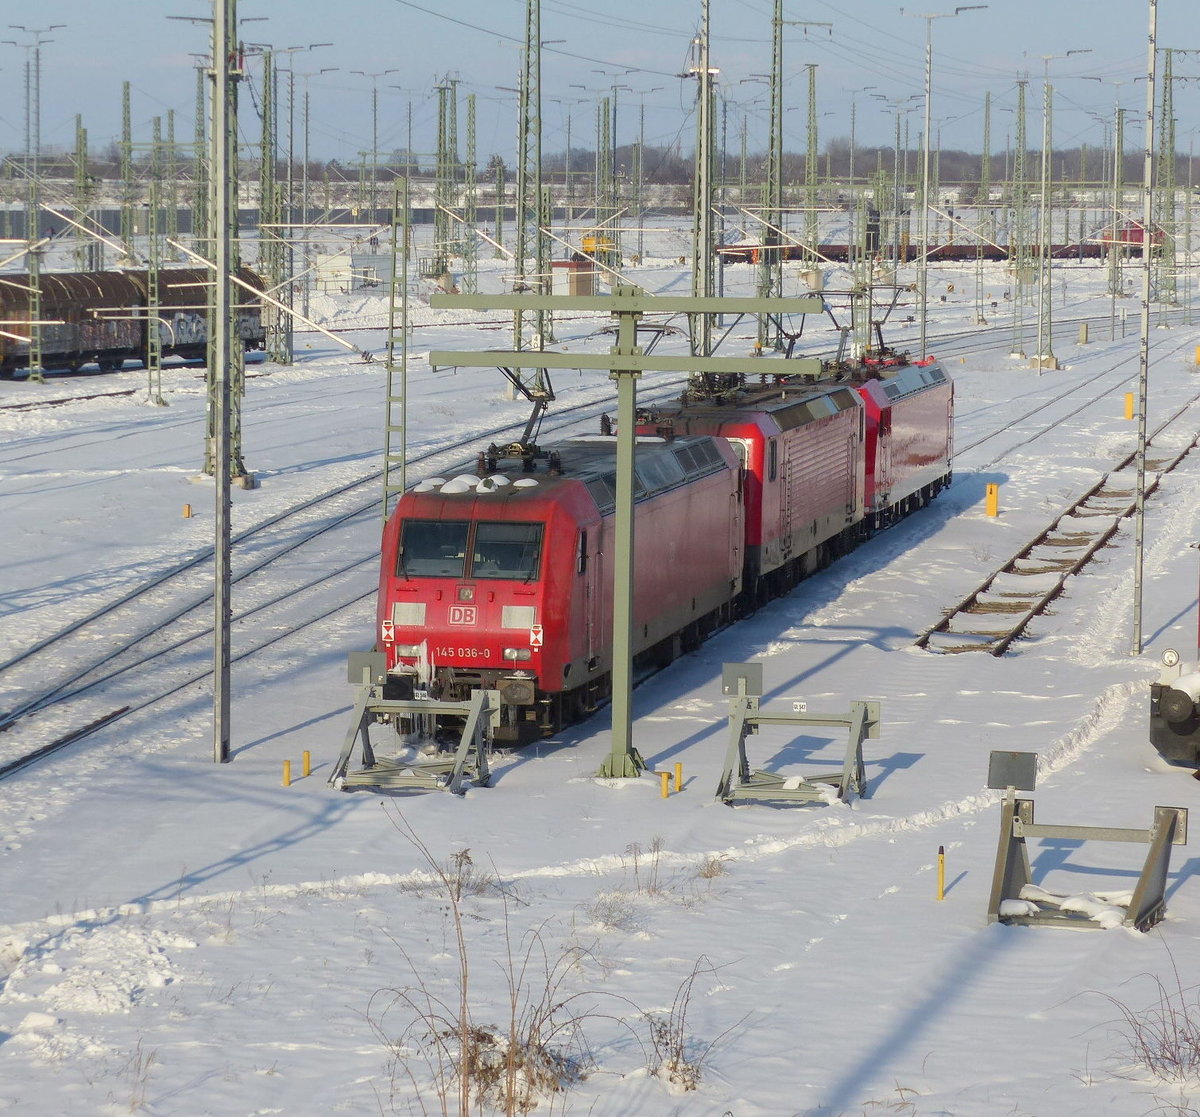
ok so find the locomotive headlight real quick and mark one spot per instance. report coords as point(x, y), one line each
point(408, 649)
point(1170, 657)
point(518, 653)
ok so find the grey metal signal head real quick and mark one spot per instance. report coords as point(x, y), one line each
point(1012, 769)
point(748, 675)
point(367, 668)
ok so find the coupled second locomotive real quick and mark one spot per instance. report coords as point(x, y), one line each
point(499, 575)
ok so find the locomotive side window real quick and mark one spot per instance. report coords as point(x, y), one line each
point(432, 548)
point(581, 553)
point(742, 449)
point(507, 550)
point(772, 459)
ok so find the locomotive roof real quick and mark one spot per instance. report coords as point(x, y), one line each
point(659, 464)
point(789, 405)
point(793, 405)
point(908, 380)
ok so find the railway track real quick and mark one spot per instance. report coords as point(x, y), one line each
point(999, 609)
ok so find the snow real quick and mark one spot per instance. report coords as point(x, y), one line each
point(180, 937)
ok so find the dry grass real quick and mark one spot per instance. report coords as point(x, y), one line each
point(675, 1054)
point(455, 1054)
point(533, 1055)
point(714, 866)
point(1163, 1038)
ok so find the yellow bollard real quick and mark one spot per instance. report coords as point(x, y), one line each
point(678, 776)
point(941, 872)
point(306, 765)
point(1083, 333)
point(1128, 405)
point(993, 500)
point(187, 511)
point(1198, 354)
point(665, 777)
point(287, 773)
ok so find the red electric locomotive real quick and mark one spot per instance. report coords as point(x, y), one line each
point(910, 437)
point(501, 576)
point(802, 451)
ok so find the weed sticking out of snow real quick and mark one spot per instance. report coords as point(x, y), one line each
point(1162, 1038)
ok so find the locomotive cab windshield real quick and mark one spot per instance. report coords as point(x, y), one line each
point(469, 549)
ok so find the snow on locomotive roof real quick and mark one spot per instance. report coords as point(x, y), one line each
point(660, 464)
point(788, 405)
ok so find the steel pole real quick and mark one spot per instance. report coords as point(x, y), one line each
point(1144, 342)
point(224, 110)
point(923, 262)
point(624, 759)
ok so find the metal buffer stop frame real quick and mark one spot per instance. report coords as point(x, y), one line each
point(1017, 771)
point(743, 682)
point(439, 773)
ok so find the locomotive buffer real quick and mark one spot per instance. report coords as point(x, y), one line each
point(624, 364)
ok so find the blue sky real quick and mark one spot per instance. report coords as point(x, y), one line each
point(640, 46)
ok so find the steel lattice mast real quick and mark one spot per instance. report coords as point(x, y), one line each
point(226, 358)
point(984, 230)
point(1044, 356)
point(200, 184)
point(702, 194)
point(84, 245)
point(770, 264)
point(811, 231)
point(529, 188)
point(1019, 239)
point(1115, 248)
point(443, 187)
point(33, 140)
point(1164, 192)
point(470, 205)
point(171, 173)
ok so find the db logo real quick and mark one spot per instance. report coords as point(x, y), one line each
point(463, 614)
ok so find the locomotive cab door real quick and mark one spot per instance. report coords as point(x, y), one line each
point(589, 567)
point(883, 456)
